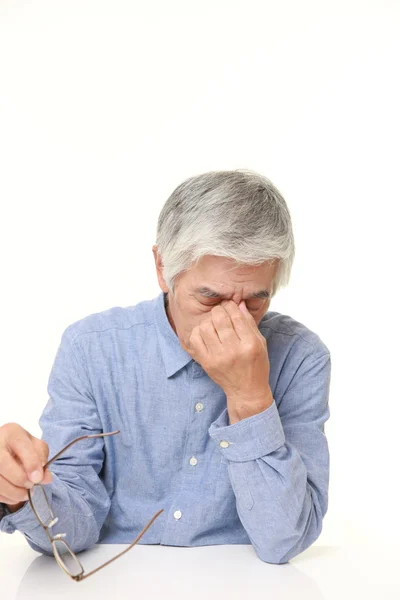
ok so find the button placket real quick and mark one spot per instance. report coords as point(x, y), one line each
point(197, 371)
point(195, 438)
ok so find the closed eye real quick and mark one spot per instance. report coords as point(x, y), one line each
point(216, 304)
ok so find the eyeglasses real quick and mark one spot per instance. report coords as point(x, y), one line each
point(63, 554)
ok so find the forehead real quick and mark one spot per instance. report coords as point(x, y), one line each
point(220, 277)
point(219, 269)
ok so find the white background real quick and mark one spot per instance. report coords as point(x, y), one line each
point(105, 107)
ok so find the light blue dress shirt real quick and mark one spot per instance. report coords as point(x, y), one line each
point(261, 481)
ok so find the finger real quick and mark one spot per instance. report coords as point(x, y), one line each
point(240, 322)
point(198, 347)
point(12, 470)
point(223, 325)
point(23, 448)
point(8, 501)
point(250, 319)
point(42, 450)
point(13, 492)
point(210, 337)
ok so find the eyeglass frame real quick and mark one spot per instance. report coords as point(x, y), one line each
point(59, 536)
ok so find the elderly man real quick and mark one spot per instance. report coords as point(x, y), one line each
point(220, 403)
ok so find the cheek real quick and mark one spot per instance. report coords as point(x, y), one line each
point(258, 314)
point(187, 324)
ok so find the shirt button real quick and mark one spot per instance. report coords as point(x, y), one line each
point(199, 407)
point(224, 444)
point(193, 461)
point(177, 514)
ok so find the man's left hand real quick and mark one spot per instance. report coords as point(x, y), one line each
point(231, 349)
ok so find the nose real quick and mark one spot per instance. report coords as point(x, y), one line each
point(237, 302)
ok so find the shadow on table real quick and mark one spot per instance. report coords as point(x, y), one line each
point(177, 573)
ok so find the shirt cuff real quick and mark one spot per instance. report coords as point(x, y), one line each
point(251, 438)
point(23, 519)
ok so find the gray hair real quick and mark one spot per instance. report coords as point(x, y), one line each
point(236, 214)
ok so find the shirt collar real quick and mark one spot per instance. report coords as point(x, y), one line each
point(174, 356)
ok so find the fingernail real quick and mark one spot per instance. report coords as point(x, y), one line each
point(28, 485)
point(36, 476)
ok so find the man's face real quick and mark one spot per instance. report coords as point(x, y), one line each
point(189, 307)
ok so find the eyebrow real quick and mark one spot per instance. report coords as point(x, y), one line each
point(206, 291)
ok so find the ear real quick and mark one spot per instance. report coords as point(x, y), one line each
point(159, 269)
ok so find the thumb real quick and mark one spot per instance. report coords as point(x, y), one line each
point(47, 477)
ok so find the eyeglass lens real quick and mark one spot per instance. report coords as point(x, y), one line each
point(66, 559)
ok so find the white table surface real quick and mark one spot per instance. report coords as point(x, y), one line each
point(227, 572)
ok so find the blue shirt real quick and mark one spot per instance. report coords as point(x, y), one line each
point(124, 368)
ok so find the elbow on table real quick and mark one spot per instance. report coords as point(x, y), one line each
point(272, 559)
point(281, 557)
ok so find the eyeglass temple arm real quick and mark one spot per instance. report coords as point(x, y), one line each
point(126, 549)
point(82, 437)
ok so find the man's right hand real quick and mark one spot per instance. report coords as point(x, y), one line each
point(22, 457)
